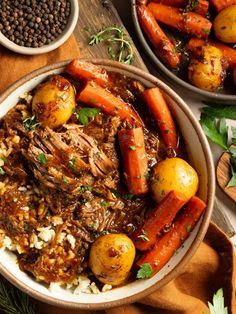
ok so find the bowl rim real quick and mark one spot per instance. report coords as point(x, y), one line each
point(213, 96)
point(210, 194)
point(72, 21)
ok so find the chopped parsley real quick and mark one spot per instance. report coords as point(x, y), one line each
point(188, 228)
point(42, 159)
point(84, 188)
point(30, 123)
point(143, 236)
point(65, 180)
point(84, 114)
point(2, 172)
point(104, 204)
point(71, 164)
point(132, 147)
point(145, 271)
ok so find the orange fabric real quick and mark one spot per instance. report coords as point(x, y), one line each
point(212, 267)
point(20, 65)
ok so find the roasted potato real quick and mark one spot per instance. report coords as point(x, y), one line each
point(173, 174)
point(54, 102)
point(206, 70)
point(225, 25)
point(111, 258)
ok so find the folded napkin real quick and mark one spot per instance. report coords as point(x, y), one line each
point(212, 267)
point(13, 66)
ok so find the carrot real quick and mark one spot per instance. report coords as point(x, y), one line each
point(222, 4)
point(172, 240)
point(88, 72)
point(164, 213)
point(158, 107)
point(229, 53)
point(188, 22)
point(163, 46)
point(134, 160)
point(201, 6)
point(96, 96)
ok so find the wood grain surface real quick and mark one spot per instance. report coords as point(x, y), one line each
point(223, 175)
point(95, 15)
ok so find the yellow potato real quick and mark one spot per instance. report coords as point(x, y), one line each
point(54, 102)
point(111, 258)
point(206, 71)
point(173, 174)
point(225, 25)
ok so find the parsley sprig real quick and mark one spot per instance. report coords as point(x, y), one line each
point(85, 114)
point(30, 123)
point(217, 306)
point(145, 271)
point(214, 125)
point(119, 46)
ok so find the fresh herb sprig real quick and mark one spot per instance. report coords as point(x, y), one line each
point(214, 125)
point(217, 306)
point(119, 46)
point(13, 301)
point(85, 114)
point(145, 271)
point(31, 123)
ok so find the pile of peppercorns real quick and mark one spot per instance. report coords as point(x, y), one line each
point(33, 23)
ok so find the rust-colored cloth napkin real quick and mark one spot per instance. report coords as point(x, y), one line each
point(212, 267)
point(13, 66)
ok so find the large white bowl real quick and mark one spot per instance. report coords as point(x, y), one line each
point(200, 157)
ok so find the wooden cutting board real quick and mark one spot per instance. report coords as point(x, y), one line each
point(95, 14)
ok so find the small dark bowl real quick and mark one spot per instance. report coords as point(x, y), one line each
point(222, 96)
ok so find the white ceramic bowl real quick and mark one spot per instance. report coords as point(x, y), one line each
point(54, 44)
point(200, 157)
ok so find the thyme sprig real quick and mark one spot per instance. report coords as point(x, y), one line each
point(119, 46)
point(14, 301)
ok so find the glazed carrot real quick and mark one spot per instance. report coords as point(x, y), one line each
point(172, 240)
point(134, 160)
point(222, 4)
point(163, 46)
point(88, 72)
point(201, 6)
point(158, 107)
point(229, 53)
point(164, 213)
point(188, 22)
point(95, 96)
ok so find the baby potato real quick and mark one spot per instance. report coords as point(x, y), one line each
point(111, 258)
point(54, 102)
point(225, 25)
point(206, 70)
point(173, 174)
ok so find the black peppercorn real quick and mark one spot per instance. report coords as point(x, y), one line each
point(33, 23)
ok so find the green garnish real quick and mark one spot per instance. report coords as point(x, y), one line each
point(188, 228)
point(65, 180)
point(217, 131)
point(84, 188)
point(30, 123)
point(138, 177)
point(71, 164)
point(143, 236)
point(119, 46)
point(132, 147)
point(147, 176)
point(83, 114)
point(104, 204)
point(42, 159)
point(192, 4)
point(213, 123)
point(128, 196)
point(217, 306)
point(2, 172)
point(145, 271)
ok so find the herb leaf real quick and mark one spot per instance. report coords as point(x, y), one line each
point(217, 306)
point(119, 46)
point(220, 111)
point(30, 123)
point(2, 172)
point(42, 159)
point(232, 181)
point(83, 114)
point(13, 301)
point(217, 133)
point(145, 271)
